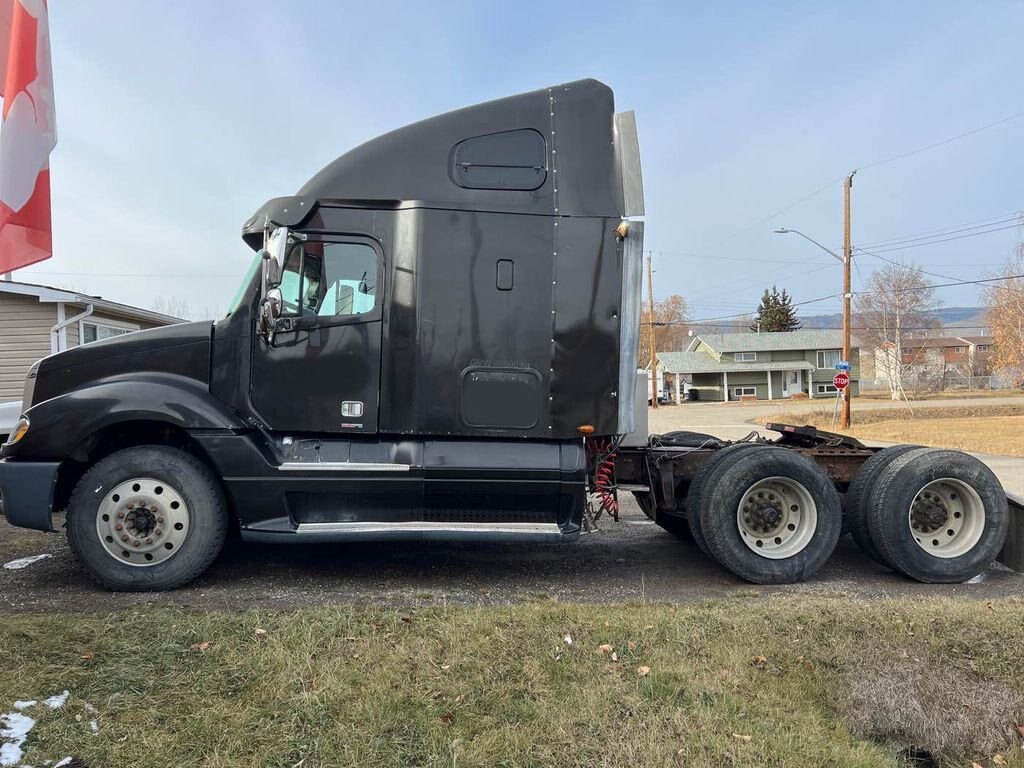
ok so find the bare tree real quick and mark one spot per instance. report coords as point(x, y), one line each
point(671, 331)
point(1005, 303)
point(172, 306)
point(895, 311)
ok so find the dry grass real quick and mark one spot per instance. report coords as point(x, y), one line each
point(983, 429)
point(936, 709)
point(1002, 435)
point(952, 394)
point(776, 682)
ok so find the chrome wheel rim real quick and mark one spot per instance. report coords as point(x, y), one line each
point(142, 522)
point(777, 517)
point(947, 518)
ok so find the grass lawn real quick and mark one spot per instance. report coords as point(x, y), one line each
point(983, 429)
point(741, 682)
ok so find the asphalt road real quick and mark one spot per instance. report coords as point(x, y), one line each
point(628, 561)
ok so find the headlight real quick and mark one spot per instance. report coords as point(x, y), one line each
point(19, 431)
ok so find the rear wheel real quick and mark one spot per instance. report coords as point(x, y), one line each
point(695, 494)
point(771, 516)
point(147, 518)
point(860, 496)
point(938, 516)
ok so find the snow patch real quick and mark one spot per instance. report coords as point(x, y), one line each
point(13, 733)
point(25, 704)
point(25, 562)
point(65, 761)
point(58, 700)
point(978, 579)
point(95, 726)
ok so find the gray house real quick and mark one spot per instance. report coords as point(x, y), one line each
point(37, 320)
point(768, 366)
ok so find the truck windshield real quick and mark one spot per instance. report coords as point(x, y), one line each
point(246, 279)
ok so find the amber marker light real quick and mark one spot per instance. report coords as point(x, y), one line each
point(585, 429)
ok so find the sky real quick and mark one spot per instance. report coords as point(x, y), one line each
point(177, 120)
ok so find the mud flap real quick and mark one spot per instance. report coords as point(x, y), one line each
point(1012, 553)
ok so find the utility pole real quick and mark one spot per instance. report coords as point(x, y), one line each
point(847, 291)
point(650, 323)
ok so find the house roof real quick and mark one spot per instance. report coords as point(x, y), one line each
point(49, 294)
point(769, 342)
point(698, 362)
point(946, 341)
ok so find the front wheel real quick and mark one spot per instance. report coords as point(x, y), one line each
point(147, 518)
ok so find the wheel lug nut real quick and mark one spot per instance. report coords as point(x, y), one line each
point(149, 541)
point(120, 515)
point(157, 532)
point(160, 520)
point(136, 543)
point(118, 527)
point(124, 537)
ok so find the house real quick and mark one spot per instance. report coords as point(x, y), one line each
point(37, 320)
point(768, 366)
point(934, 358)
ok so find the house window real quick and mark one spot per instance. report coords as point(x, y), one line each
point(829, 358)
point(982, 347)
point(744, 357)
point(959, 350)
point(825, 389)
point(98, 331)
point(741, 391)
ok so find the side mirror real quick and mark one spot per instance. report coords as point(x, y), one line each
point(270, 311)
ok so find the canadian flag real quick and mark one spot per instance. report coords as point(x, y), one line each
point(27, 135)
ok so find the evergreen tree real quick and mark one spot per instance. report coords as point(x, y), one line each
point(775, 313)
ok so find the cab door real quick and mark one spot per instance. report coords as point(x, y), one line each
point(321, 370)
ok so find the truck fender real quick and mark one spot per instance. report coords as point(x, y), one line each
point(62, 423)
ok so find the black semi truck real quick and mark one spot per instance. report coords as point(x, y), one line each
point(437, 339)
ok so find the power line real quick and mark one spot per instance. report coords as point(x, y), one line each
point(891, 248)
point(941, 143)
point(923, 271)
point(950, 230)
point(875, 164)
point(778, 213)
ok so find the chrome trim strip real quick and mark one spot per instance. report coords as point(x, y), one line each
point(415, 526)
point(342, 466)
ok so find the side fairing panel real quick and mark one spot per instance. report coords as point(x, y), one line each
point(585, 353)
point(484, 320)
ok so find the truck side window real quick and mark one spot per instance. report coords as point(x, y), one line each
point(350, 279)
point(329, 279)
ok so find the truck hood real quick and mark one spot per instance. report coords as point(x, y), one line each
point(182, 349)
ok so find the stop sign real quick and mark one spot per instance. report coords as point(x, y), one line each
point(841, 380)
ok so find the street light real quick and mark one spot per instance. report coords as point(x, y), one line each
point(845, 422)
point(784, 231)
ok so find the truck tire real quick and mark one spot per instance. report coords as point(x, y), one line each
point(861, 493)
point(674, 524)
point(695, 495)
point(938, 516)
point(147, 518)
point(771, 516)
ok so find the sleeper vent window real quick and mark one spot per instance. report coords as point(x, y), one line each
point(513, 160)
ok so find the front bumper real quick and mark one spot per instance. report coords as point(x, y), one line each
point(26, 490)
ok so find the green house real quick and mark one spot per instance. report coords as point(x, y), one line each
point(768, 366)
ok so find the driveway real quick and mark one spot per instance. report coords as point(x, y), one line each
point(629, 561)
